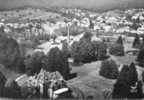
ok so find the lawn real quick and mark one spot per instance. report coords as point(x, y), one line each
point(89, 81)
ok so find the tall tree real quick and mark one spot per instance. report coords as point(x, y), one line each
point(133, 75)
point(136, 42)
point(117, 50)
point(91, 26)
point(57, 61)
point(140, 57)
point(121, 87)
point(119, 40)
point(139, 90)
point(2, 84)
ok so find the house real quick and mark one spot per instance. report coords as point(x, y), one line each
point(107, 28)
point(85, 22)
point(49, 28)
point(21, 81)
point(111, 20)
point(140, 30)
point(96, 27)
point(47, 46)
point(60, 24)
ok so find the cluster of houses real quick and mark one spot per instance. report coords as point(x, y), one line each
point(105, 23)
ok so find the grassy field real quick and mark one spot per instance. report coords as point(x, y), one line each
point(89, 80)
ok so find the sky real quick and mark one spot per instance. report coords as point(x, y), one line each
point(95, 4)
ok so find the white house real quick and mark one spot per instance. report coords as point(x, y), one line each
point(49, 28)
point(47, 46)
point(140, 30)
point(85, 22)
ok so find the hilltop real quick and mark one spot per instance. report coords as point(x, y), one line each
point(102, 5)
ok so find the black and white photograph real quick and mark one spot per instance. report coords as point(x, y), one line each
point(71, 49)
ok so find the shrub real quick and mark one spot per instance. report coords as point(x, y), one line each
point(117, 50)
point(109, 69)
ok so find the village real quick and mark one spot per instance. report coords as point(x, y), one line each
point(108, 37)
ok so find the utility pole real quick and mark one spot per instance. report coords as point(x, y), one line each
point(68, 34)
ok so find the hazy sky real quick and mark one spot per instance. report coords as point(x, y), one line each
point(97, 4)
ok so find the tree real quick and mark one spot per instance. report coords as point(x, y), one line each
point(88, 52)
point(12, 90)
point(57, 61)
point(91, 26)
point(128, 76)
point(136, 24)
point(133, 75)
point(117, 50)
point(136, 42)
point(9, 52)
point(87, 36)
point(100, 50)
point(2, 83)
point(143, 76)
point(119, 40)
point(124, 74)
point(20, 66)
point(76, 52)
point(83, 51)
point(65, 49)
point(136, 92)
point(121, 88)
point(139, 90)
point(32, 66)
point(140, 57)
point(109, 69)
point(34, 63)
